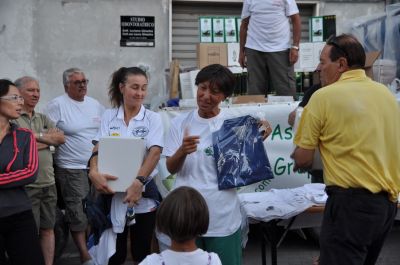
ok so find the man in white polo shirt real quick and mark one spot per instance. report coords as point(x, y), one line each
point(79, 117)
point(265, 47)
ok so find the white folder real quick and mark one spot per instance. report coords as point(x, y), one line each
point(121, 157)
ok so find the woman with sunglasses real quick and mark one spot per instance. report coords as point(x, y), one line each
point(129, 118)
point(18, 167)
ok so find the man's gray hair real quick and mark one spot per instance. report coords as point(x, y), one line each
point(20, 82)
point(67, 74)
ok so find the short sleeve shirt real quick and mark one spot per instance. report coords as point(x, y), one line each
point(40, 123)
point(269, 27)
point(146, 124)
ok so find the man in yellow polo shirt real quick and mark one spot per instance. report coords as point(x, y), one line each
point(355, 122)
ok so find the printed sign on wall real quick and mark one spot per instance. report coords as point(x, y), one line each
point(137, 31)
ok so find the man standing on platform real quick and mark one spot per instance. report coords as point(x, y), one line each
point(265, 47)
point(79, 117)
point(355, 122)
point(42, 192)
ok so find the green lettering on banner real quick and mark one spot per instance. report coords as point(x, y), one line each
point(288, 133)
point(277, 132)
point(281, 166)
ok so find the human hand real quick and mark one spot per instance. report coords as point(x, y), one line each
point(189, 142)
point(264, 128)
point(293, 56)
point(100, 180)
point(292, 118)
point(242, 59)
point(134, 193)
point(53, 130)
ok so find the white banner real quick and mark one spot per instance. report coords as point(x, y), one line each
point(279, 145)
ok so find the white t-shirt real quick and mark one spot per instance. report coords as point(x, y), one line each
point(199, 171)
point(269, 27)
point(146, 124)
point(80, 121)
point(169, 257)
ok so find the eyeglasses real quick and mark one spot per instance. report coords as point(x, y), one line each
point(332, 40)
point(13, 98)
point(83, 82)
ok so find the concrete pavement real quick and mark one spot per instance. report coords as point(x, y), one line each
point(294, 250)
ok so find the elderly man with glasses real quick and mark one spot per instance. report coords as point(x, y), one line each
point(355, 123)
point(42, 192)
point(79, 117)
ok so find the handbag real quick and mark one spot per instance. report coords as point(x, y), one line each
point(239, 153)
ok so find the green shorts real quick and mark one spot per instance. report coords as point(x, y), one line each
point(44, 203)
point(74, 186)
point(228, 248)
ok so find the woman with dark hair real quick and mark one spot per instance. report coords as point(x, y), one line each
point(189, 154)
point(129, 118)
point(18, 167)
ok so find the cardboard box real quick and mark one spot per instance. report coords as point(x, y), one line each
point(248, 99)
point(211, 53)
point(370, 58)
point(322, 27)
point(384, 71)
point(205, 28)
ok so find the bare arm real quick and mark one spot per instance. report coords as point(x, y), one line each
point(292, 117)
point(296, 25)
point(134, 192)
point(303, 158)
point(53, 136)
point(189, 145)
point(242, 41)
point(41, 146)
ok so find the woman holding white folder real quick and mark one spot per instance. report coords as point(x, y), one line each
point(128, 117)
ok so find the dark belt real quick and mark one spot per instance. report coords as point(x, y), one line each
point(332, 190)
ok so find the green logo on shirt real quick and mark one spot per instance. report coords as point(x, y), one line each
point(209, 151)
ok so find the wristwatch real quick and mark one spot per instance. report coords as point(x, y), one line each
point(295, 47)
point(142, 179)
point(40, 135)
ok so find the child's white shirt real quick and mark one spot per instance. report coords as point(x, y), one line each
point(169, 257)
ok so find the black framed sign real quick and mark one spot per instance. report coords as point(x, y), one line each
point(137, 31)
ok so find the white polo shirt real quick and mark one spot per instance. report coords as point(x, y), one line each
point(269, 27)
point(146, 124)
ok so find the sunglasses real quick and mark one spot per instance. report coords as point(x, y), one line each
point(332, 40)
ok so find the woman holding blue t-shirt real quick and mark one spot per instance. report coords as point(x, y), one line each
point(189, 152)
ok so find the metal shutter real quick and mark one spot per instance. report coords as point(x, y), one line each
point(185, 25)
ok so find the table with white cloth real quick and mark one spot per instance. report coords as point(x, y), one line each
point(294, 208)
point(299, 207)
